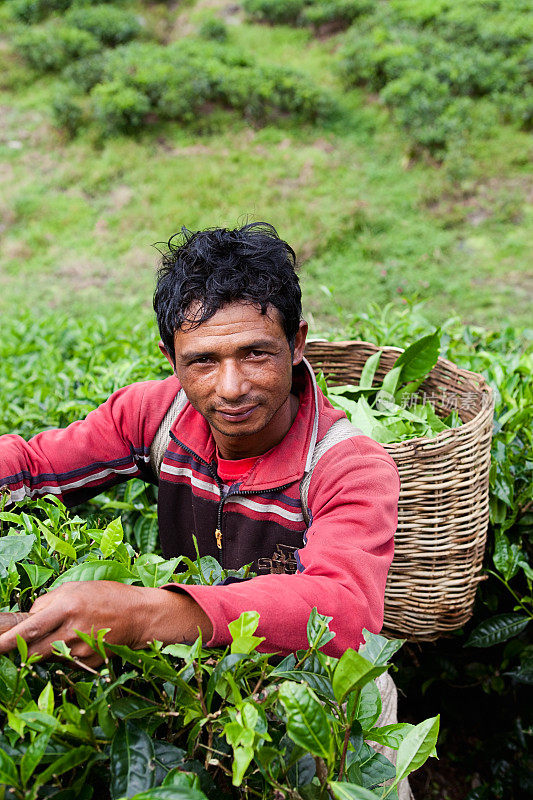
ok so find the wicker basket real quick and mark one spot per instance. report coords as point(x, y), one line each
point(443, 507)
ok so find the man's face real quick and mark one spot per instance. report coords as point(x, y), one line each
point(236, 370)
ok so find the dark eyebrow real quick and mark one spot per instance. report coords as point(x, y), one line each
point(258, 344)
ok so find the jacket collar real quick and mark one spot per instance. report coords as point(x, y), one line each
point(283, 464)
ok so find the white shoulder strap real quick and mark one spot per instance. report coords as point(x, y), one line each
point(160, 441)
point(339, 432)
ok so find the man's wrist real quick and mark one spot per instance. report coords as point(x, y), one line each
point(171, 616)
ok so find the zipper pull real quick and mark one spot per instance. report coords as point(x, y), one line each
point(218, 537)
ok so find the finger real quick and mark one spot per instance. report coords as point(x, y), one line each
point(34, 628)
point(8, 619)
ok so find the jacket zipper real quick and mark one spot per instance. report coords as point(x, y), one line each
point(223, 498)
point(212, 470)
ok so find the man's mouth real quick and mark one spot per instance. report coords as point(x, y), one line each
point(236, 414)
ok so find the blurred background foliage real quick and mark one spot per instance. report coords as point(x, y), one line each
point(389, 142)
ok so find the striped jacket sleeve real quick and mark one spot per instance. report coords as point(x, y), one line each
point(75, 463)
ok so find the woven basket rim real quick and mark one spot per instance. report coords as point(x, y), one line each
point(482, 388)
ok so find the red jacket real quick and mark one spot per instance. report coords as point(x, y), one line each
point(340, 562)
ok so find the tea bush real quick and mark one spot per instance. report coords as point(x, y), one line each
point(214, 29)
point(277, 12)
point(194, 721)
point(49, 49)
point(67, 112)
point(315, 13)
point(110, 25)
point(31, 11)
point(175, 83)
point(440, 57)
point(337, 13)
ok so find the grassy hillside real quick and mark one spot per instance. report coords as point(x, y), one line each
point(369, 220)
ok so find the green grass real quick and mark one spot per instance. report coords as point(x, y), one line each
point(79, 217)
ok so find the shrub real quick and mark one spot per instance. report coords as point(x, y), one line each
point(85, 73)
point(277, 12)
point(50, 48)
point(474, 50)
point(340, 13)
point(119, 108)
point(112, 26)
point(31, 11)
point(174, 83)
point(67, 112)
point(301, 728)
point(214, 29)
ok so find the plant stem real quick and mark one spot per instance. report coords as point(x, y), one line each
point(349, 721)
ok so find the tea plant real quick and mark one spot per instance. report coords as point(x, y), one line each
point(446, 71)
point(182, 720)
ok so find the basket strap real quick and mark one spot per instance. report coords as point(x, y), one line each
point(338, 432)
point(161, 439)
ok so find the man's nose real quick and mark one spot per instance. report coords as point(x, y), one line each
point(232, 382)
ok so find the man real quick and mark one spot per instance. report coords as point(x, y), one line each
point(228, 306)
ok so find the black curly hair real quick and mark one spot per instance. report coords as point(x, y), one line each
point(205, 270)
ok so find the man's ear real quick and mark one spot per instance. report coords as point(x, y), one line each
point(166, 354)
point(299, 342)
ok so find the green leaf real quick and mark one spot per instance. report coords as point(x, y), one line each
point(353, 670)
point(369, 706)
point(14, 548)
point(146, 533)
point(497, 629)
point(132, 761)
point(111, 537)
point(416, 748)
point(55, 542)
point(349, 791)
point(307, 722)
point(33, 755)
point(154, 571)
point(369, 370)
point(8, 770)
point(169, 793)
point(318, 632)
point(242, 757)
point(389, 735)
point(419, 358)
point(377, 649)
point(66, 762)
point(39, 720)
point(96, 571)
point(506, 556)
point(242, 630)
point(46, 699)
point(37, 575)
point(390, 381)
point(375, 768)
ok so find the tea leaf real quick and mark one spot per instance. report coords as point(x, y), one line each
point(111, 537)
point(33, 755)
point(351, 671)
point(318, 632)
point(497, 629)
point(419, 358)
point(96, 571)
point(132, 761)
point(307, 723)
point(369, 370)
point(241, 631)
point(416, 748)
point(377, 649)
point(350, 791)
